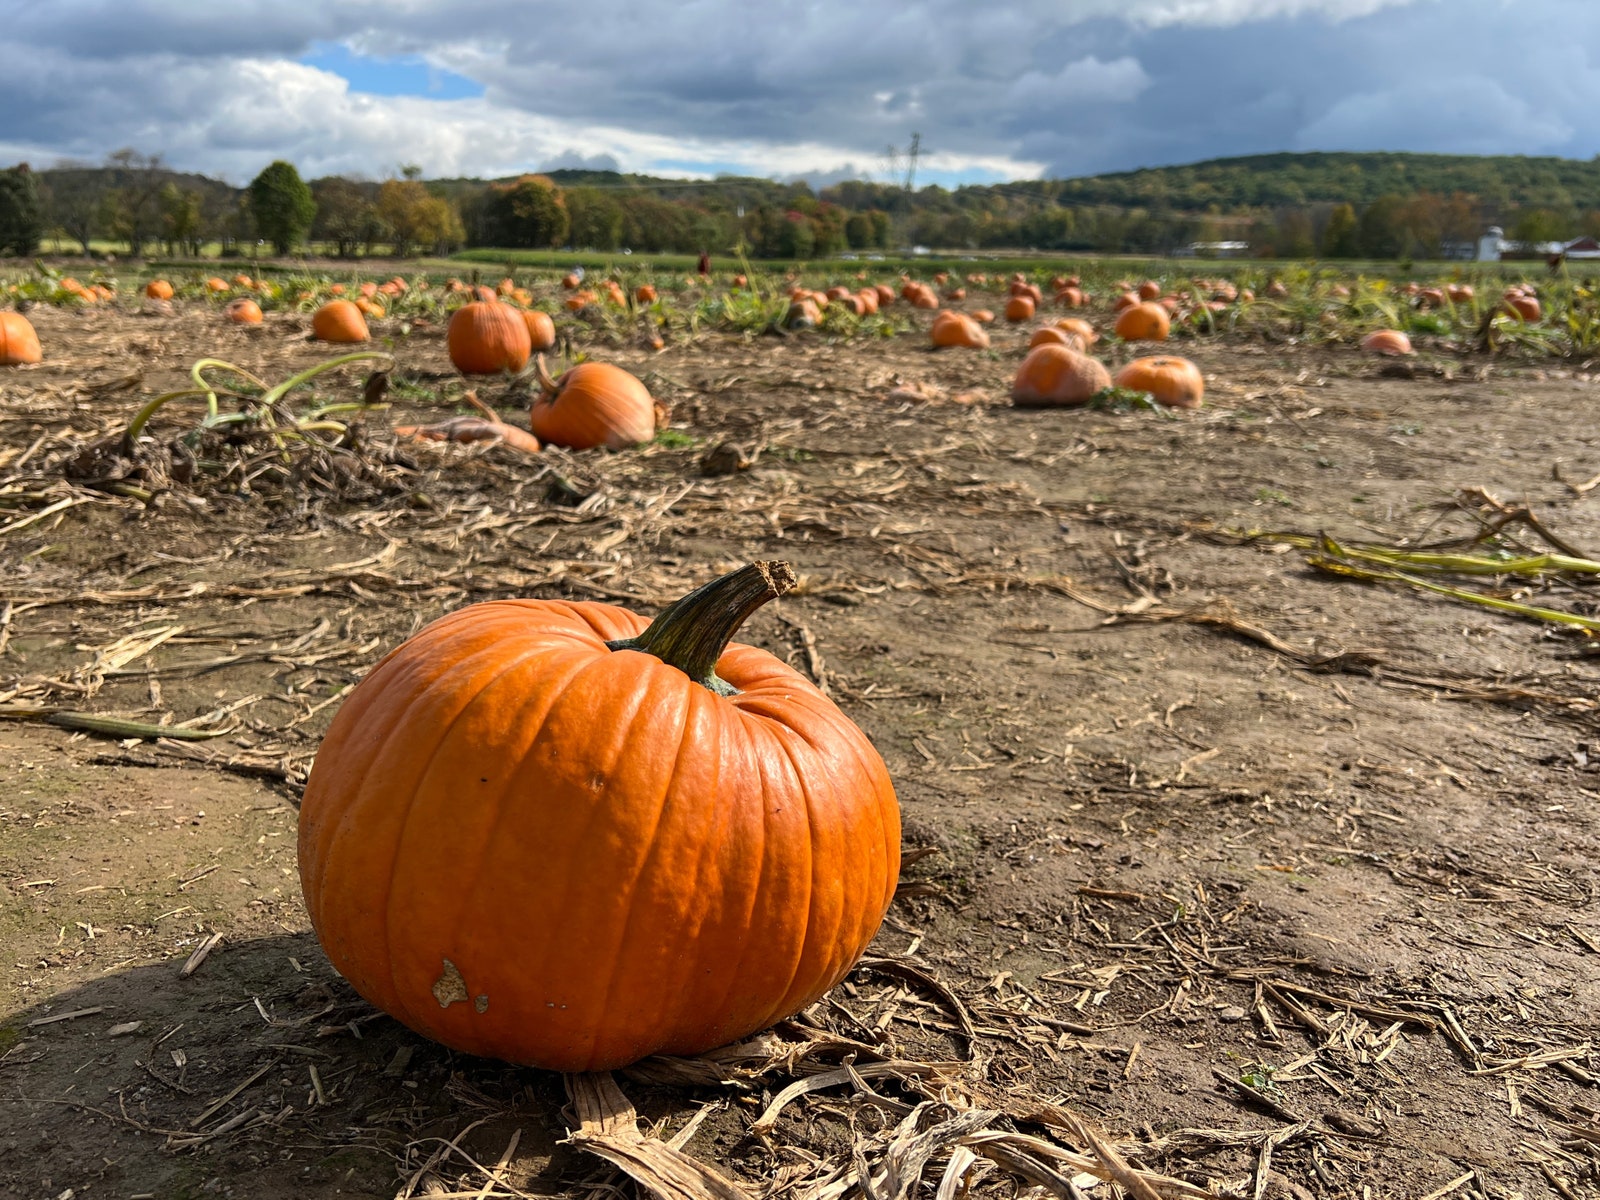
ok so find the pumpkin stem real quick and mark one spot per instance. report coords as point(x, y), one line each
point(692, 633)
point(545, 381)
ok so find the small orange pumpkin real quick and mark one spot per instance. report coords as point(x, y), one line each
point(541, 329)
point(370, 307)
point(217, 284)
point(243, 311)
point(1056, 336)
point(593, 404)
point(956, 329)
point(1079, 326)
point(1173, 381)
point(19, 342)
point(339, 321)
point(885, 295)
point(1143, 322)
point(1523, 305)
point(1019, 308)
point(802, 314)
point(158, 289)
point(644, 294)
point(1057, 377)
point(1149, 290)
point(869, 299)
point(571, 281)
point(983, 316)
point(1386, 341)
point(488, 339)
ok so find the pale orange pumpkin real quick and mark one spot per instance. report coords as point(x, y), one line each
point(593, 404)
point(339, 321)
point(956, 329)
point(218, 284)
point(1172, 381)
point(19, 342)
point(982, 316)
point(1055, 336)
point(1079, 326)
point(1386, 341)
point(1057, 377)
point(1143, 322)
point(488, 339)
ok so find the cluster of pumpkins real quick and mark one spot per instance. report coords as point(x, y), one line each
point(1059, 371)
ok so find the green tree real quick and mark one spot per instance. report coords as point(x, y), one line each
point(1339, 235)
point(596, 219)
point(527, 213)
point(181, 221)
point(21, 214)
point(1539, 225)
point(346, 215)
point(131, 208)
point(282, 206)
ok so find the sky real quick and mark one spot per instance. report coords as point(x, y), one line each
point(814, 89)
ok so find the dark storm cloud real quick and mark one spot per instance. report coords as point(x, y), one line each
point(1036, 85)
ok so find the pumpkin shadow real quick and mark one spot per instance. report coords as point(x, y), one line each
point(262, 1075)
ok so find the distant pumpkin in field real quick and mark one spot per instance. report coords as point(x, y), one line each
point(158, 289)
point(1143, 322)
point(1149, 290)
point(1386, 341)
point(1173, 381)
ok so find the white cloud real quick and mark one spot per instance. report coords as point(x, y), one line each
point(815, 89)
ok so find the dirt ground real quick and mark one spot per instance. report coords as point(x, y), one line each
point(1315, 920)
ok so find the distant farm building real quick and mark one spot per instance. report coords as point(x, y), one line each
point(1584, 247)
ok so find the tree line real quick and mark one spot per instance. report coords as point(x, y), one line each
point(1283, 206)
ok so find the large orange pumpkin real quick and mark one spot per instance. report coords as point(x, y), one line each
point(554, 833)
point(339, 321)
point(956, 329)
point(1057, 377)
point(486, 339)
point(593, 404)
point(19, 343)
point(1143, 322)
point(1175, 382)
point(541, 329)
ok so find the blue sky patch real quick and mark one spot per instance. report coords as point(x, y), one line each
point(390, 76)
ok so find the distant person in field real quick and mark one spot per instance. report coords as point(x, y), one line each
point(705, 263)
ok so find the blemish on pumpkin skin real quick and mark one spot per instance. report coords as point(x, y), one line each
point(481, 1004)
point(450, 987)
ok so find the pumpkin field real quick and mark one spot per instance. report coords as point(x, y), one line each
point(1229, 636)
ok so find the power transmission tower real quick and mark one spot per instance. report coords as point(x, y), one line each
point(911, 161)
